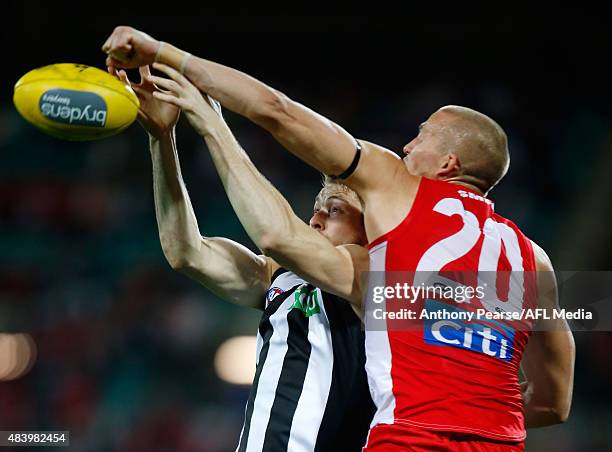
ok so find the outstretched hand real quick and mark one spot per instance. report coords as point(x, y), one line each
point(203, 114)
point(157, 117)
point(129, 48)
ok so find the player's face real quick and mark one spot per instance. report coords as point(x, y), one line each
point(340, 221)
point(424, 154)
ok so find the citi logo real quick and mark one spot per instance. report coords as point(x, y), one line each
point(477, 338)
point(74, 107)
point(493, 338)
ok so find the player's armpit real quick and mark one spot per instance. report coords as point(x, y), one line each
point(548, 360)
point(229, 270)
point(309, 254)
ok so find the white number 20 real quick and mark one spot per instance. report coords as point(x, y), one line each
point(460, 243)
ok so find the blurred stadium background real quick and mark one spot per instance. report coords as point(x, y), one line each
point(125, 347)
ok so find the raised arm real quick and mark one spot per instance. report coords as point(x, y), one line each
point(264, 213)
point(316, 140)
point(548, 361)
point(227, 268)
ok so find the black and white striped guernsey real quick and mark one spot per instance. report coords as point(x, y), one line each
point(310, 391)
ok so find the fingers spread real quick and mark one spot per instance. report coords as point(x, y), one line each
point(168, 98)
point(164, 83)
point(141, 94)
point(171, 72)
point(144, 71)
point(124, 77)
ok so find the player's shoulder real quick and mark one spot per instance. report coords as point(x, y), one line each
point(368, 146)
point(383, 168)
point(542, 261)
point(381, 158)
point(508, 222)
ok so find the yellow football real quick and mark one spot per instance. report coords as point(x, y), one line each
point(75, 102)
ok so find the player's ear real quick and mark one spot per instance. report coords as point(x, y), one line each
point(450, 166)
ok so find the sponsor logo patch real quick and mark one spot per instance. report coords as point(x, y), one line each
point(491, 338)
point(306, 300)
point(73, 107)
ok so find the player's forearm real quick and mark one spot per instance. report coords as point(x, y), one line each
point(235, 90)
point(311, 137)
point(548, 365)
point(548, 402)
point(178, 227)
point(262, 210)
point(226, 268)
point(542, 415)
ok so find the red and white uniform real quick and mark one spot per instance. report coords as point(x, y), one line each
point(456, 376)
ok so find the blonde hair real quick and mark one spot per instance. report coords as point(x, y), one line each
point(333, 187)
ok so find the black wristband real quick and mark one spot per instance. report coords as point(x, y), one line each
point(351, 169)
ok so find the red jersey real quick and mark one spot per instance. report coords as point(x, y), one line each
point(456, 374)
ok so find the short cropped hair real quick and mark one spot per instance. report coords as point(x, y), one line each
point(481, 145)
